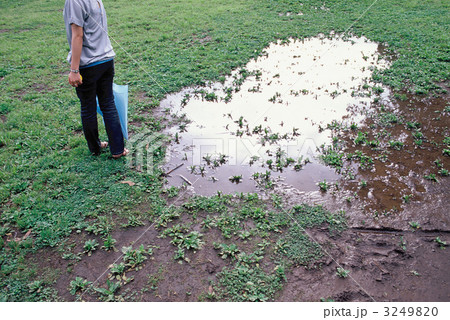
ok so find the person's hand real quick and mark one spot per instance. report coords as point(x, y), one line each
point(75, 79)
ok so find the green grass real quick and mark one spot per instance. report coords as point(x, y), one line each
point(49, 183)
point(248, 284)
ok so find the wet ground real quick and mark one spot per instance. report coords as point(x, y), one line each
point(384, 266)
point(296, 101)
point(283, 107)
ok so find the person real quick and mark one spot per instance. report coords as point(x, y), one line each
point(91, 59)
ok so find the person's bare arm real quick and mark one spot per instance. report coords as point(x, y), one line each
point(77, 45)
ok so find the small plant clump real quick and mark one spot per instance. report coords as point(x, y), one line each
point(226, 251)
point(415, 225)
point(442, 244)
point(324, 185)
point(236, 179)
point(397, 145)
point(108, 243)
point(407, 198)
point(431, 177)
point(78, 285)
point(245, 283)
point(133, 258)
point(342, 273)
point(90, 246)
point(108, 294)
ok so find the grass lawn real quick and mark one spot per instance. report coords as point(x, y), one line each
point(53, 187)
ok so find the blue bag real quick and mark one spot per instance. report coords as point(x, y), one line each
point(121, 101)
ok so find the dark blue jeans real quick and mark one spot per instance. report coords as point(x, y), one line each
point(97, 83)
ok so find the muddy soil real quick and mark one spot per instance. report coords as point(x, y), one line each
point(380, 268)
point(383, 265)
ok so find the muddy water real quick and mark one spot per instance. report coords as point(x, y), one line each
point(272, 124)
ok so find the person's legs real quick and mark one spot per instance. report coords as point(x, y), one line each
point(87, 95)
point(108, 107)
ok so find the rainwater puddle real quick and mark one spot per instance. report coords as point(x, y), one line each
point(265, 123)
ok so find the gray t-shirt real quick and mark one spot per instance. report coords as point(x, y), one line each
point(91, 15)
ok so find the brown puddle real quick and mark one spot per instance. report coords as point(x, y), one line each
point(270, 129)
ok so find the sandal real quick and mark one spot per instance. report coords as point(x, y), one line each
point(123, 154)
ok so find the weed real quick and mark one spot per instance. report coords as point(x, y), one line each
point(250, 259)
point(431, 177)
point(443, 172)
point(210, 96)
point(342, 273)
point(226, 251)
point(332, 157)
point(243, 283)
point(326, 300)
point(446, 141)
point(134, 258)
point(190, 241)
point(438, 163)
point(413, 125)
point(167, 214)
point(185, 99)
point(102, 226)
point(442, 244)
point(363, 184)
point(108, 243)
point(133, 221)
point(397, 145)
point(71, 256)
point(402, 243)
point(374, 143)
point(78, 285)
point(117, 270)
point(361, 138)
point(236, 179)
point(387, 119)
point(90, 246)
point(208, 222)
point(172, 192)
point(180, 253)
point(108, 294)
point(264, 180)
point(245, 234)
point(414, 224)
point(418, 135)
point(324, 185)
point(182, 240)
point(407, 198)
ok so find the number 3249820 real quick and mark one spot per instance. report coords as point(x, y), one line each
point(410, 311)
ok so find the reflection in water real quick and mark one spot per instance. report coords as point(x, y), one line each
point(270, 128)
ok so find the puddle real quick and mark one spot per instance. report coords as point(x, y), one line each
point(271, 127)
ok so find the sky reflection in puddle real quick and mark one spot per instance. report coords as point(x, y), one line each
point(271, 129)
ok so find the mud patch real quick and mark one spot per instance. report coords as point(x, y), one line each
point(395, 165)
point(385, 267)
